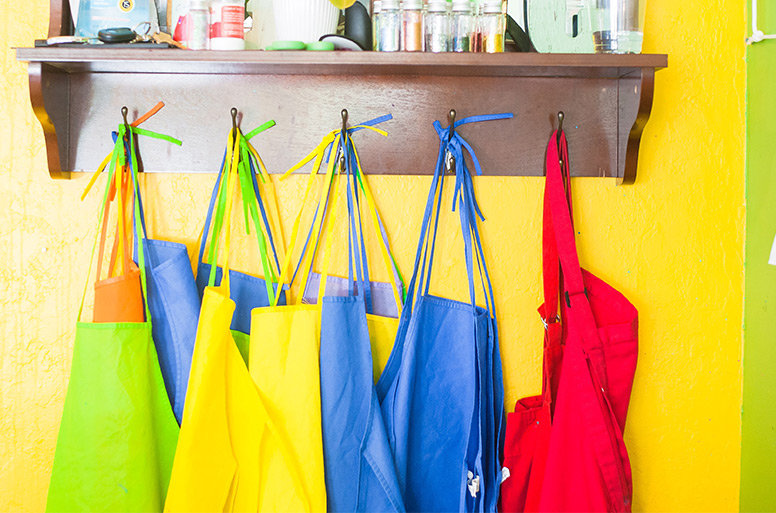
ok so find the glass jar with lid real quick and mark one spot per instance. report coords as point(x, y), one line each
point(492, 24)
point(390, 26)
point(437, 27)
point(412, 39)
point(462, 26)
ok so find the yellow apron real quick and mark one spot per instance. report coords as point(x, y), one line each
point(227, 437)
point(284, 364)
point(284, 356)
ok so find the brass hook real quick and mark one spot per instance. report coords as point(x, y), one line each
point(561, 117)
point(343, 136)
point(127, 129)
point(449, 159)
point(234, 124)
point(451, 122)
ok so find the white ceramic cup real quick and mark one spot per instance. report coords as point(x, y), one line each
point(304, 20)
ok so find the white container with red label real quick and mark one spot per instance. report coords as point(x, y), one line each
point(227, 18)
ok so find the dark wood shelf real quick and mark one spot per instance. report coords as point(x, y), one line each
point(77, 94)
point(131, 60)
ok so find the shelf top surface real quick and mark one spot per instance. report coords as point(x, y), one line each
point(139, 60)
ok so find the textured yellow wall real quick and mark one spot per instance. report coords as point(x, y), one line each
point(672, 243)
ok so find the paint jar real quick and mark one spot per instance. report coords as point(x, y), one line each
point(377, 7)
point(492, 24)
point(412, 26)
point(199, 25)
point(462, 26)
point(618, 25)
point(390, 26)
point(437, 25)
point(227, 19)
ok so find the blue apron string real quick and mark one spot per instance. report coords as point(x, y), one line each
point(395, 358)
point(431, 243)
point(364, 257)
point(355, 232)
point(211, 206)
point(263, 213)
point(455, 144)
point(328, 151)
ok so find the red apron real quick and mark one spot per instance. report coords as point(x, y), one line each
point(564, 449)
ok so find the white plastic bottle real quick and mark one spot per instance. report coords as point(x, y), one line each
point(227, 19)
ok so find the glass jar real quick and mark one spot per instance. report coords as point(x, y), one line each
point(412, 26)
point(390, 26)
point(377, 7)
point(199, 25)
point(462, 26)
point(618, 26)
point(492, 25)
point(437, 27)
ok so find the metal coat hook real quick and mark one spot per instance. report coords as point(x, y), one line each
point(449, 158)
point(234, 122)
point(561, 117)
point(127, 131)
point(343, 135)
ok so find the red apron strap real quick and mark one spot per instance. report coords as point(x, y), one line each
point(579, 312)
point(552, 280)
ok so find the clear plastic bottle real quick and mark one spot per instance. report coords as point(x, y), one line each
point(377, 7)
point(437, 27)
point(412, 26)
point(492, 26)
point(390, 26)
point(199, 25)
point(462, 29)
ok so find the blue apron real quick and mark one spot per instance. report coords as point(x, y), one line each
point(248, 292)
point(359, 470)
point(174, 305)
point(442, 393)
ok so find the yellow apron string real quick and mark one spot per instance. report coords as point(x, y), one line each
point(267, 188)
point(383, 250)
point(316, 155)
point(113, 157)
point(142, 119)
point(234, 157)
point(309, 254)
point(330, 235)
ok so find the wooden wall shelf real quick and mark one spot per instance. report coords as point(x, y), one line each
point(77, 94)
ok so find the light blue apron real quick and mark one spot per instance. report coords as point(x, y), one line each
point(359, 470)
point(442, 392)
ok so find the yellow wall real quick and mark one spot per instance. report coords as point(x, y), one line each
point(673, 243)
